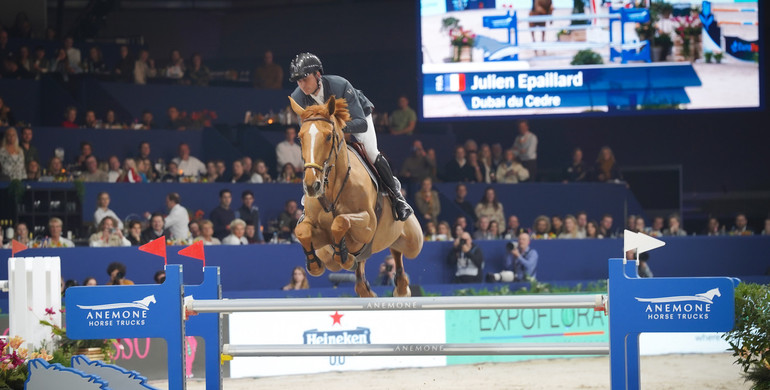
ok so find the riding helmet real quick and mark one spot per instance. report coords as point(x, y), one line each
point(304, 64)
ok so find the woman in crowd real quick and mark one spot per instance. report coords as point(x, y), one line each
point(427, 200)
point(557, 225)
point(489, 207)
point(130, 173)
point(494, 231)
point(6, 116)
point(103, 209)
point(260, 174)
point(108, 235)
point(430, 231)
point(198, 74)
point(111, 122)
point(207, 233)
point(606, 168)
point(61, 65)
point(592, 230)
point(288, 174)
point(571, 228)
point(541, 229)
point(12, 156)
point(237, 233)
point(298, 280)
point(33, 171)
point(444, 231)
point(211, 172)
point(135, 233)
point(20, 234)
point(90, 281)
point(486, 165)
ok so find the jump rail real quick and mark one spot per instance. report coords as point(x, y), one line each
point(596, 302)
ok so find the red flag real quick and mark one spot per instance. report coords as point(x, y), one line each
point(17, 247)
point(195, 251)
point(156, 247)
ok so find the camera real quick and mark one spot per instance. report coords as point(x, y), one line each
point(389, 268)
point(511, 245)
point(463, 241)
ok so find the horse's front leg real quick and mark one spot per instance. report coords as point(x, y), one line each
point(304, 233)
point(357, 224)
point(362, 286)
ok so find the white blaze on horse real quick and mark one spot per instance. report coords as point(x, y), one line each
point(346, 219)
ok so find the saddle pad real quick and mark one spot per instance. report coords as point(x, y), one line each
point(366, 163)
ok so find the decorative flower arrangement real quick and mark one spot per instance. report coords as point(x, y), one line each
point(461, 37)
point(66, 347)
point(201, 119)
point(688, 27)
point(13, 362)
point(461, 40)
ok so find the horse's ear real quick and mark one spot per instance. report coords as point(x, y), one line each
point(331, 105)
point(295, 107)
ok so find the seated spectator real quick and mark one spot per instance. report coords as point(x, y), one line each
point(714, 228)
point(94, 64)
point(60, 66)
point(93, 174)
point(25, 63)
point(657, 227)
point(494, 230)
point(488, 169)
point(85, 151)
point(189, 165)
point(111, 122)
point(54, 239)
point(387, 275)
point(40, 63)
point(134, 233)
point(606, 168)
point(577, 171)
point(522, 259)
point(571, 228)
point(557, 225)
point(222, 177)
point(427, 201)
point(605, 227)
point(643, 269)
point(741, 226)
point(639, 225)
point(403, 120)
point(269, 75)
point(674, 227)
point(30, 151)
point(766, 230)
point(418, 166)
point(458, 169)
point(144, 68)
point(467, 259)
point(631, 223)
point(490, 207)
point(429, 231)
point(260, 173)
point(117, 272)
point(130, 173)
point(444, 231)
point(592, 230)
point(298, 280)
point(198, 74)
point(124, 69)
point(159, 277)
point(222, 216)
point(211, 172)
point(462, 222)
point(195, 228)
point(176, 67)
point(56, 168)
point(90, 281)
point(141, 170)
point(461, 191)
point(177, 219)
point(239, 176)
point(511, 171)
point(12, 156)
point(251, 234)
point(287, 221)
point(115, 172)
point(249, 213)
point(247, 164)
point(582, 222)
point(155, 230)
point(148, 170)
point(175, 120)
point(288, 151)
point(33, 171)
point(541, 229)
point(512, 228)
point(108, 235)
point(482, 231)
point(207, 233)
point(103, 209)
point(20, 234)
point(73, 54)
point(288, 175)
point(237, 233)
point(6, 115)
point(473, 162)
point(146, 122)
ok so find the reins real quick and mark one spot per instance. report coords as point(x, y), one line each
point(326, 168)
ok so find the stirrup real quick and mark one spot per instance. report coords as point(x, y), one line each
point(407, 212)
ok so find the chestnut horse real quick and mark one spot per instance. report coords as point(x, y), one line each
point(341, 227)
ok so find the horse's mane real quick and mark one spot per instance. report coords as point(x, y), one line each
point(341, 113)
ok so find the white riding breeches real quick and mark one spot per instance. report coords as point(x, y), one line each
point(369, 140)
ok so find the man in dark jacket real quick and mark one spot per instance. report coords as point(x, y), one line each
point(313, 89)
point(249, 213)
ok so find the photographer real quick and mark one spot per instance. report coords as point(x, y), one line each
point(387, 276)
point(468, 259)
point(117, 272)
point(521, 259)
point(108, 235)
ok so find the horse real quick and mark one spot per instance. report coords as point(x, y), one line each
point(341, 226)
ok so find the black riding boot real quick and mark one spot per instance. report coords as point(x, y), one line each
point(400, 206)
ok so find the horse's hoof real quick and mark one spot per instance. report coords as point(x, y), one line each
point(408, 292)
point(315, 268)
point(350, 264)
point(365, 292)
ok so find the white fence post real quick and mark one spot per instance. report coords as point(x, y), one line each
point(35, 285)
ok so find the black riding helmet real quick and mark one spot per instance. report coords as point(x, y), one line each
point(304, 64)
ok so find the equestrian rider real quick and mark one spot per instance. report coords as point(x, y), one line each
point(313, 88)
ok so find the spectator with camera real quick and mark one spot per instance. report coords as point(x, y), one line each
point(521, 259)
point(467, 259)
point(117, 272)
point(108, 235)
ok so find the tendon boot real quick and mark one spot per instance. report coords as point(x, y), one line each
point(401, 208)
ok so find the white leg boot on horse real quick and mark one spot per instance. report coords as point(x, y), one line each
point(401, 207)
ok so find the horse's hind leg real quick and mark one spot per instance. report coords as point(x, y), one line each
point(362, 286)
point(402, 280)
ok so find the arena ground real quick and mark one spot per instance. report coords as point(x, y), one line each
point(714, 371)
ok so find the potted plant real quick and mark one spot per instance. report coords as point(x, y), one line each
point(749, 339)
point(708, 56)
point(13, 363)
point(460, 39)
point(587, 57)
point(65, 347)
point(718, 57)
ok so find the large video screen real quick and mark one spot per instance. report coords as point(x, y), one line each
point(502, 58)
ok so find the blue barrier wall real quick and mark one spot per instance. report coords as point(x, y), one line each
point(268, 267)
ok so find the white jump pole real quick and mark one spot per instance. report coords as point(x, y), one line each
point(34, 286)
point(587, 301)
point(417, 349)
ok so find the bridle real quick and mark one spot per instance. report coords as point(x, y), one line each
point(326, 168)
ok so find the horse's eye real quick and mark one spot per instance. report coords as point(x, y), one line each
point(329, 137)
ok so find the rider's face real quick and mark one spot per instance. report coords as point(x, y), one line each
point(308, 84)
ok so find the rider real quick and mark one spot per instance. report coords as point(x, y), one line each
point(312, 88)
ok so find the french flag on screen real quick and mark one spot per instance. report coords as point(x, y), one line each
point(453, 82)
